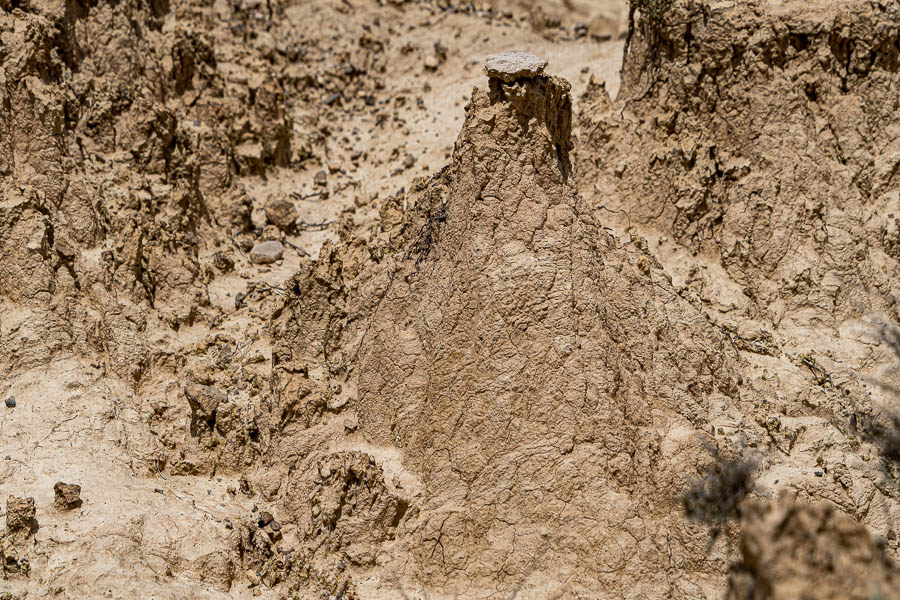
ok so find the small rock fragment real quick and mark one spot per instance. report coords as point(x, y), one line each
point(253, 578)
point(245, 487)
point(20, 513)
point(513, 65)
point(68, 495)
point(841, 474)
point(265, 517)
point(337, 403)
point(204, 399)
point(282, 214)
point(273, 530)
point(270, 232)
point(249, 156)
point(266, 252)
point(223, 262)
point(644, 264)
point(351, 423)
point(321, 178)
point(245, 242)
point(10, 402)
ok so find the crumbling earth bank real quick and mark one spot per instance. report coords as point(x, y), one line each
point(762, 135)
point(753, 145)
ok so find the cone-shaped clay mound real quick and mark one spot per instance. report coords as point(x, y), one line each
point(546, 387)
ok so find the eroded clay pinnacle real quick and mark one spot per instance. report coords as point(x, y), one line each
point(514, 64)
point(517, 80)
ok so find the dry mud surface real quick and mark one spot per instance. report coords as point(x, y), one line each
point(297, 302)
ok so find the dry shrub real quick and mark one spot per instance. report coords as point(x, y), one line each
point(715, 497)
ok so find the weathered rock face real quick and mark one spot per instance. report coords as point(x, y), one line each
point(117, 161)
point(794, 550)
point(124, 129)
point(96, 228)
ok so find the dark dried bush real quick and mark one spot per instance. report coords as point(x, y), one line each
point(715, 497)
point(652, 10)
point(884, 430)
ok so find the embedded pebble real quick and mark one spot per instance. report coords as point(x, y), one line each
point(268, 252)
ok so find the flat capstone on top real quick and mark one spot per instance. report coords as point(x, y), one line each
point(513, 65)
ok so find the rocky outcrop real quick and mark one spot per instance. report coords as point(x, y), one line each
point(15, 540)
point(342, 505)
